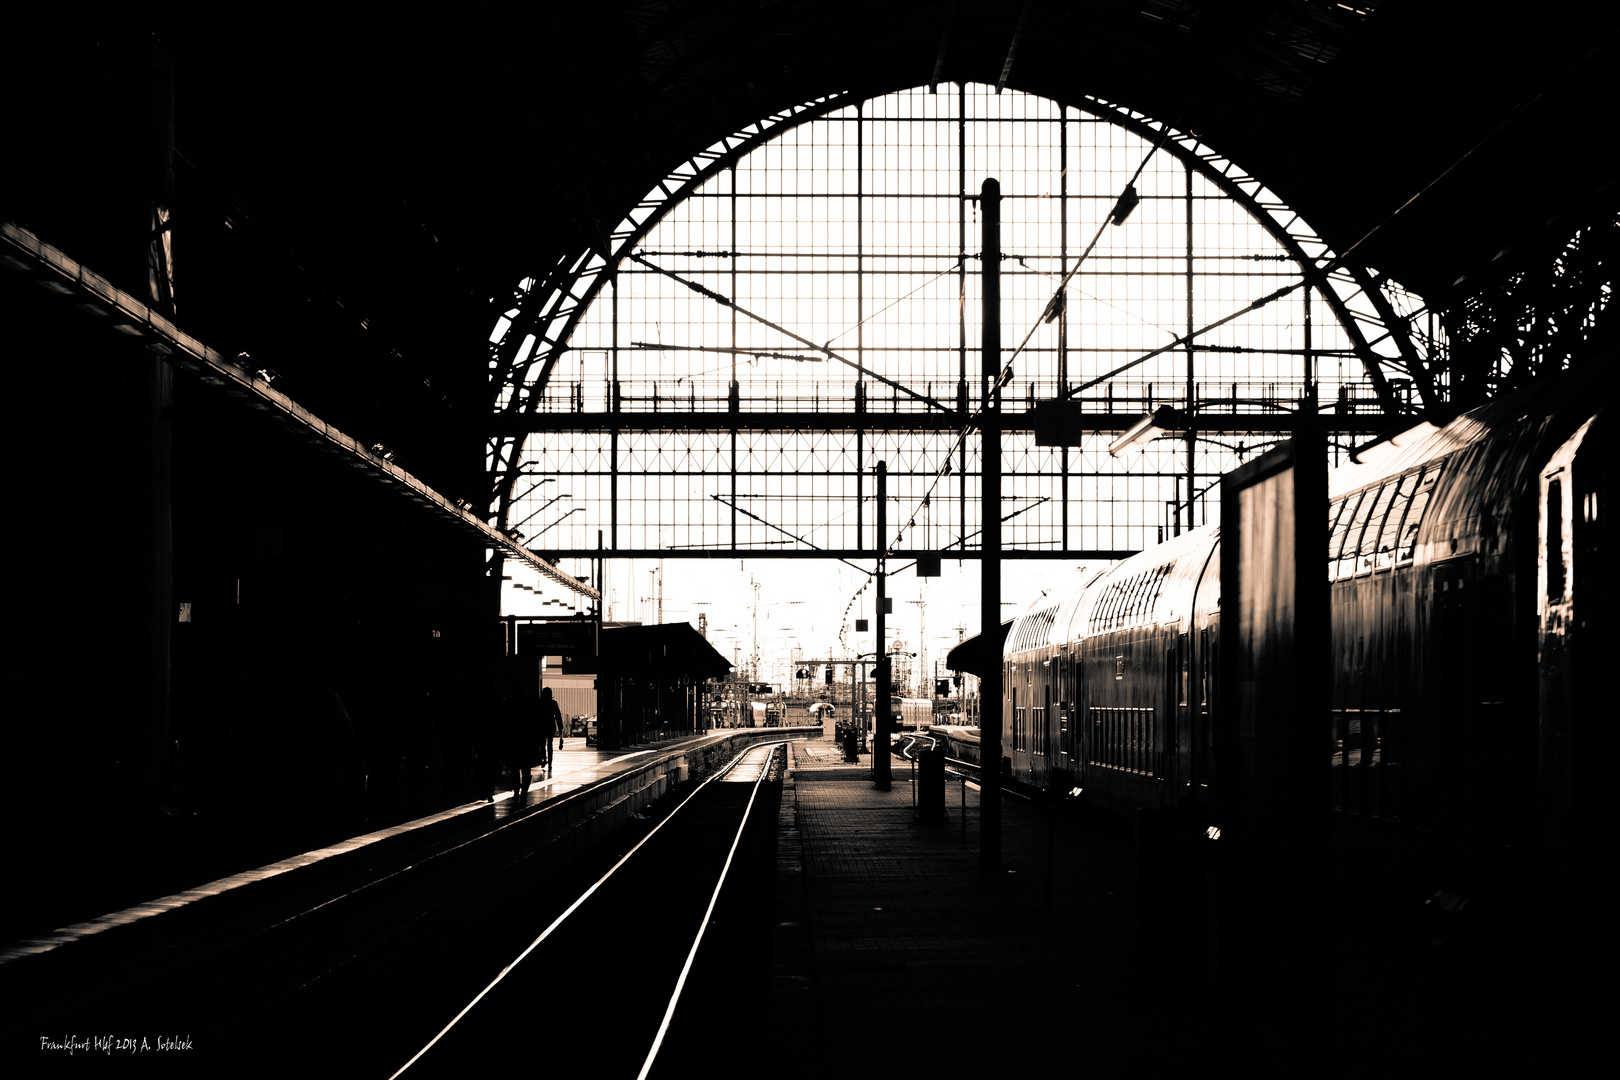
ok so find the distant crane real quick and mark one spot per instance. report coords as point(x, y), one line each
point(922, 635)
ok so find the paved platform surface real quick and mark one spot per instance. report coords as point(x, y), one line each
point(889, 936)
point(892, 950)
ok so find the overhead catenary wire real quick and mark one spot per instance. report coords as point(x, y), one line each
point(726, 301)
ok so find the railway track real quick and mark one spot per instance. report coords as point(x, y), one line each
point(626, 980)
point(968, 770)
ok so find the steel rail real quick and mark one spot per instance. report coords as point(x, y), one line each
point(714, 899)
point(577, 904)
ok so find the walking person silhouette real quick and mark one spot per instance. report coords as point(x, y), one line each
point(550, 725)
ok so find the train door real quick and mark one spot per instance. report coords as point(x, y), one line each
point(1203, 728)
point(1181, 701)
point(1078, 720)
point(1455, 756)
point(1577, 744)
point(1047, 721)
point(1065, 711)
point(1170, 765)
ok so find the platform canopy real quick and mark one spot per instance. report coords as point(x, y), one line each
point(977, 654)
point(663, 652)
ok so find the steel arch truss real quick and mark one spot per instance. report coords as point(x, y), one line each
point(532, 334)
point(719, 454)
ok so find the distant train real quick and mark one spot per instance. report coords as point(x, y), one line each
point(911, 714)
point(961, 743)
point(1471, 611)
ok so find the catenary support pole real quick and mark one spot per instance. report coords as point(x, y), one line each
point(990, 690)
point(882, 685)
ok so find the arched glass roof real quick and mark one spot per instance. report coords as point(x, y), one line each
point(802, 300)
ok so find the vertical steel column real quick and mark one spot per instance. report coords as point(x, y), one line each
point(1191, 436)
point(1310, 395)
point(860, 488)
point(961, 296)
point(882, 688)
point(613, 375)
point(860, 236)
point(733, 391)
point(860, 355)
point(1063, 309)
point(990, 558)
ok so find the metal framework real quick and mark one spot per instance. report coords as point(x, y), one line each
point(799, 302)
point(1548, 306)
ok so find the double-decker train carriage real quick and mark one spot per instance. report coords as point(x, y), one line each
point(910, 714)
point(1469, 606)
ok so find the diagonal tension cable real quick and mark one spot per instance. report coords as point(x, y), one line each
point(829, 353)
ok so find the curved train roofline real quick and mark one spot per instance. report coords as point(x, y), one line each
point(1154, 585)
point(1527, 415)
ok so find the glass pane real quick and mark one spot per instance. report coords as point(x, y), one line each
point(1384, 551)
point(1352, 539)
point(1414, 514)
point(1340, 530)
point(1375, 525)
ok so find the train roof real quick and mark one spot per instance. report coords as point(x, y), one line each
point(1160, 583)
point(1580, 391)
point(1150, 586)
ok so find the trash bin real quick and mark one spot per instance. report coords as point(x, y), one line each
point(931, 786)
point(851, 742)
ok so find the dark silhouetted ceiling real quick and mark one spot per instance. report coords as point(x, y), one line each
point(400, 171)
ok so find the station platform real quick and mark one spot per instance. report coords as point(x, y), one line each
point(888, 933)
point(889, 938)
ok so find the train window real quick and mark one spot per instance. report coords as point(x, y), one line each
point(1102, 617)
point(1203, 667)
point(1128, 608)
point(1334, 511)
point(1375, 526)
point(1186, 666)
point(1153, 590)
point(1407, 545)
point(1384, 551)
point(1340, 531)
point(1099, 611)
point(1352, 539)
point(1131, 600)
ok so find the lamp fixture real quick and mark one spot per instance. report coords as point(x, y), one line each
point(1164, 418)
point(1127, 202)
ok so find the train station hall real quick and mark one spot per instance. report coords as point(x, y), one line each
point(777, 538)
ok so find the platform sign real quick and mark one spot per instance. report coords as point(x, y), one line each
point(574, 640)
point(1272, 727)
